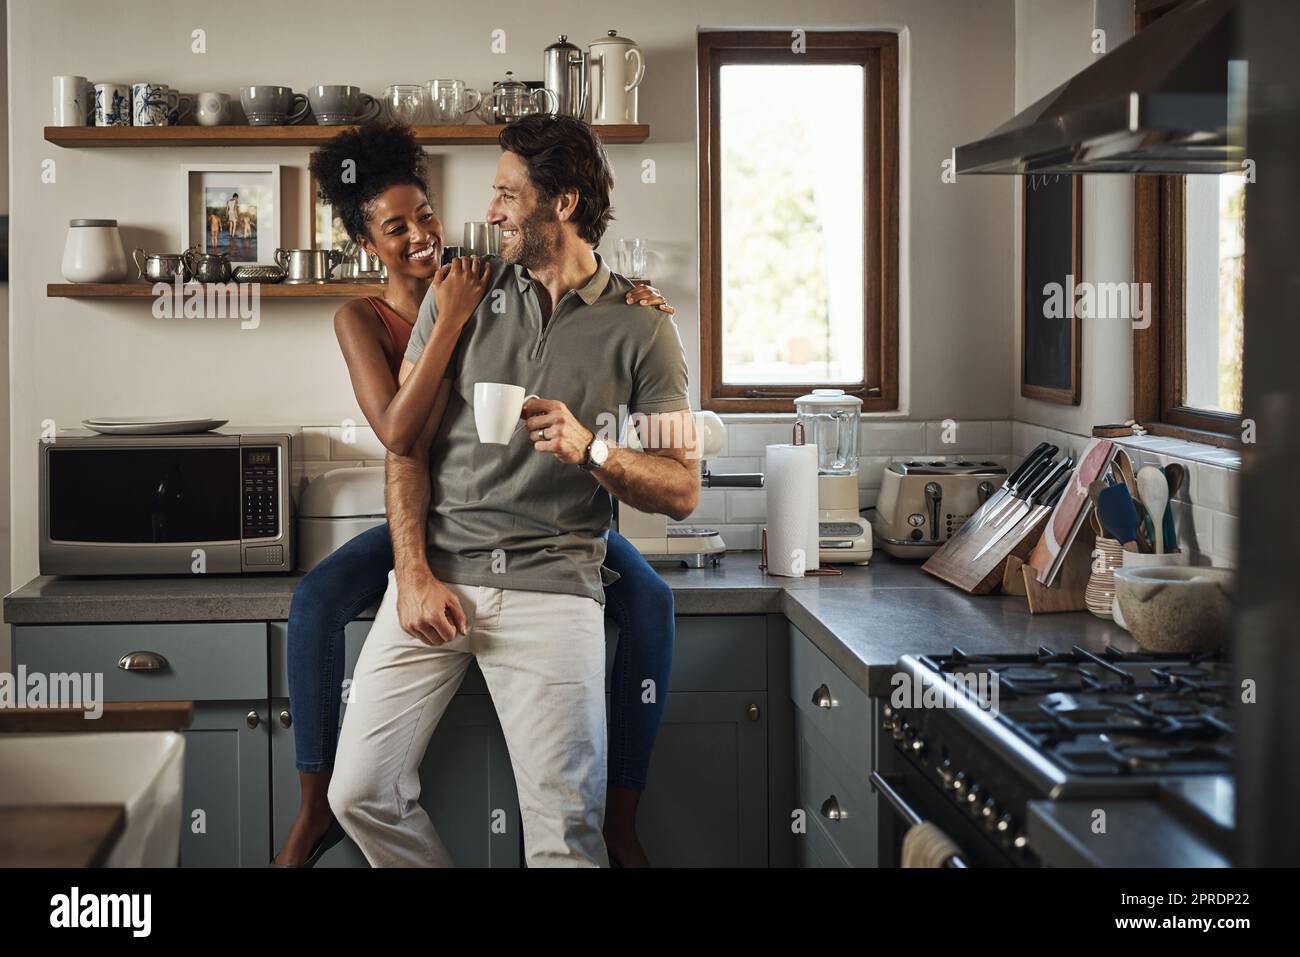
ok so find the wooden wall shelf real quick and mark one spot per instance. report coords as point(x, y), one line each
point(144, 290)
point(83, 137)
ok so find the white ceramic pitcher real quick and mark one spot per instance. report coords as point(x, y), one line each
point(617, 67)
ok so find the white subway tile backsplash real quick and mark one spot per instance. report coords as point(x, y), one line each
point(1214, 487)
point(871, 470)
point(1225, 536)
point(740, 537)
point(893, 437)
point(746, 505)
point(711, 510)
point(1000, 437)
point(955, 437)
point(314, 444)
point(730, 465)
point(364, 444)
point(749, 439)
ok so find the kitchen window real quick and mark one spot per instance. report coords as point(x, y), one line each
point(799, 217)
point(1190, 234)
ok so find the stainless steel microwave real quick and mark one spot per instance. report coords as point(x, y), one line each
point(214, 503)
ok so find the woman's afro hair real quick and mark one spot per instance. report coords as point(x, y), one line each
point(357, 165)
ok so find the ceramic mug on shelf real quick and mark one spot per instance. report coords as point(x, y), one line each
point(112, 104)
point(212, 109)
point(70, 101)
point(341, 105)
point(273, 105)
point(180, 107)
point(149, 104)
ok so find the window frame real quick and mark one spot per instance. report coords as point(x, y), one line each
point(1160, 350)
point(877, 54)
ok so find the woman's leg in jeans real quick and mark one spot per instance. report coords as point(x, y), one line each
point(641, 604)
point(329, 596)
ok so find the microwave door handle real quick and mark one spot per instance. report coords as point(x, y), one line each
point(905, 811)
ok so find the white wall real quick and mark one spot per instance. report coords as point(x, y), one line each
point(70, 359)
point(1052, 44)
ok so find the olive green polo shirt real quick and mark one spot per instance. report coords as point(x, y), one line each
point(508, 516)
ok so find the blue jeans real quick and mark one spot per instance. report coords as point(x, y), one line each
point(354, 578)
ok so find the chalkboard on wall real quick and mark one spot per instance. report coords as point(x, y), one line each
point(1052, 253)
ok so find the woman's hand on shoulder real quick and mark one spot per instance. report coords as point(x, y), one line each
point(458, 287)
point(647, 295)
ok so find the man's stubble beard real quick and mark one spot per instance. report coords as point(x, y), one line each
point(539, 239)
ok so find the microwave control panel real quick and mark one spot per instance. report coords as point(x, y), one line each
point(260, 466)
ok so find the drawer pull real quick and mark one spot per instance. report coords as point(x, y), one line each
point(253, 720)
point(822, 698)
point(286, 719)
point(752, 712)
point(831, 809)
point(142, 661)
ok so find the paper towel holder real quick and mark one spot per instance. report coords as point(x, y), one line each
point(824, 570)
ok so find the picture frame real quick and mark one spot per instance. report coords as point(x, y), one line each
point(233, 209)
point(1051, 240)
point(327, 229)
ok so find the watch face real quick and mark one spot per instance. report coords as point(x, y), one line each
point(599, 452)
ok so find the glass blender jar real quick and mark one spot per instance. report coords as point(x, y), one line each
point(830, 421)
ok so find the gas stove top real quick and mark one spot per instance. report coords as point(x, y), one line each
point(980, 737)
point(1115, 713)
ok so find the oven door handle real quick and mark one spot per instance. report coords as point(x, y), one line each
point(905, 811)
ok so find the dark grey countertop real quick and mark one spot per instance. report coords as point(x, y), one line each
point(864, 620)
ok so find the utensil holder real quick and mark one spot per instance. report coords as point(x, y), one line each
point(1107, 555)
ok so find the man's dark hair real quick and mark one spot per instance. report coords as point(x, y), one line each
point(563, 153)
point(382, 155)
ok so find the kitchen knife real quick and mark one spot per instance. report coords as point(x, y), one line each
point(1051, 483)
point(1020, 491)
point(994, 501)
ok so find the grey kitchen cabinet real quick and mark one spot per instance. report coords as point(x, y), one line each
point(708, 800)
point(221, 667)
point(834, 733)
point(466, 784)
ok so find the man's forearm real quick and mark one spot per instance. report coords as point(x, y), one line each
point(651, 483)
point(406, 493)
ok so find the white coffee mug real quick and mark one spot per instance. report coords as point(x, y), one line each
point(496, 410)
point(212, 108)
point(70, 107)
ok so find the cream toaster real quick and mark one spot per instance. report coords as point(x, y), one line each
point(922, 504)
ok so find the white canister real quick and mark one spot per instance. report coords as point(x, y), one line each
point(94, 252)
point(70, 106)
point(616, 68)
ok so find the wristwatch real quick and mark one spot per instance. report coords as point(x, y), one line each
point(597, 453)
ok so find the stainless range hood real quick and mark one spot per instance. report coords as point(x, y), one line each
point(1170, 100)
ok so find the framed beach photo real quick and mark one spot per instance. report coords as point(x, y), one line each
point(327, 230)
point(233, 210)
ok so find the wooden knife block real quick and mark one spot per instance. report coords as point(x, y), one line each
point(1067, 592)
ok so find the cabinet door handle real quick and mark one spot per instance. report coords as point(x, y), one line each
point(286, 719)
point(831, 809)
point(822, 698)
point(752, 712)
point(253, 720)
point(142, 661)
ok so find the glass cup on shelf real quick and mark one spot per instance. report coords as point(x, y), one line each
point(451, 101)
point(406, 103)
point(632, 256)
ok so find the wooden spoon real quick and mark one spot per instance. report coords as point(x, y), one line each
point(1154, 490)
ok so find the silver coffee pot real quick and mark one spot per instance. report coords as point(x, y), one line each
point(564, 73)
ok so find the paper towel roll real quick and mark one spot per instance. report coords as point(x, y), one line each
point(792, 532)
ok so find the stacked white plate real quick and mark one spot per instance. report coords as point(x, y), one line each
point(150, 425)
